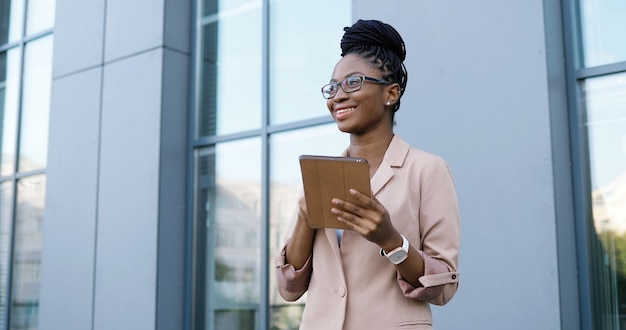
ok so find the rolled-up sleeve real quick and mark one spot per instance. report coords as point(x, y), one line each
point(438, 283)
point(440, 237)
point(292, 282)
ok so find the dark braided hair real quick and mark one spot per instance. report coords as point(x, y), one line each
point(382, 45)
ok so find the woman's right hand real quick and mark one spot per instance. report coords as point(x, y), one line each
point(300, 246)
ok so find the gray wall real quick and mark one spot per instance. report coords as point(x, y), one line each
point(115, 210)
point(482, 94)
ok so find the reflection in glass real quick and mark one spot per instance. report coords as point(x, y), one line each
point(603, 25)
point(35, 104)
point(9, 91)
point(6, 199)
point(228, 209)
point(230, 85)
point(285, 188)
point(605, 101)
point(303, 54)
point(40, 15)
point(27, 252)
point(12, 18)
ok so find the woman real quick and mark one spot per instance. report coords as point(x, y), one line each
point(400, 253)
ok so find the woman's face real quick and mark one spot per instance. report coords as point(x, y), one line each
point(364, 110)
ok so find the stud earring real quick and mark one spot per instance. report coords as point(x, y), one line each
point(388, 103)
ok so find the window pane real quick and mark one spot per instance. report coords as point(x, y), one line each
point(228, 206)
point(303, 54)
point(27, 252)
point(6, 207)
point(35, 104)
point(603, 25)
point(12, 18)
point(9, 91)
point(285, 187)
point(40, 15)
point(230, 68)
point(605, 101)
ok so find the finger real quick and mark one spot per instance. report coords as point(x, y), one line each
point(348, 207)
point(370, 202)
point(344, 217)
point(346, 214)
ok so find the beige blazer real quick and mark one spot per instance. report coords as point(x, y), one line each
point(353, 287)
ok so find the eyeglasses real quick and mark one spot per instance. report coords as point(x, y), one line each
point(349, 85)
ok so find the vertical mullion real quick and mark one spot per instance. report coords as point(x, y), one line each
point(13, 179)
point(264, 309)
point(7, 298)
point(190, 295)
point(580, 168)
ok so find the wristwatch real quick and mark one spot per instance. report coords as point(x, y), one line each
point(399, 254)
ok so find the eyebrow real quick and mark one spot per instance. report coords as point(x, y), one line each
point(349, 75)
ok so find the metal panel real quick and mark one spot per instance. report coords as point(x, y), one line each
point(126, 268)
point(172, 196)
point(70, 217)
point(133, 27)
point(78, 35)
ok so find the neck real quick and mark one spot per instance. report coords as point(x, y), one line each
point(371, 148)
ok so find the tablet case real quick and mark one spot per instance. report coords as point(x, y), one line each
point(325, 178)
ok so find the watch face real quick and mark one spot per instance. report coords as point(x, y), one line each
point(397, 257)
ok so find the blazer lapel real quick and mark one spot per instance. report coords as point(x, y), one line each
point(394, 157)
point(381, 177)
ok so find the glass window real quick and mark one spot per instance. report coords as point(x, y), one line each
point(9, 93)
point(6, 206)
point(35, 104)
point(605, 106)
point(40, 15)
point(303, 53)
point(231, 52)
point(228, 205)
point(27, 252)
point(285, 188)
point(229, 177)
point(603, 26)
point(12, 18)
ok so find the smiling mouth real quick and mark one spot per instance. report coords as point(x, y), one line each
point(346, 110)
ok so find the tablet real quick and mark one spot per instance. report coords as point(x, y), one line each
point(325, 178)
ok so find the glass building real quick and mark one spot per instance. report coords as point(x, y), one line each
point(148, 155)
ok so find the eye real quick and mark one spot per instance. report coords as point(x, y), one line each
point(352, 82)
point(330, 88)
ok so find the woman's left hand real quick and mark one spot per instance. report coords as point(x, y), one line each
point(371, 220)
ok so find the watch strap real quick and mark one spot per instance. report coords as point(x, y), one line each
point(405, 247)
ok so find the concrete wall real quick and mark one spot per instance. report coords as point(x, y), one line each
point(479, 95)
point(115, 210)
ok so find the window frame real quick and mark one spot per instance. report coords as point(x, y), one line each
point(576, 75)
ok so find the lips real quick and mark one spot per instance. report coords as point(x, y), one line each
point(343, 112)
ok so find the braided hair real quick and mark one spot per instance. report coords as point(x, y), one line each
point(382, 45)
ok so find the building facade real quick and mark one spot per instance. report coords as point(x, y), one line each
point(148, 155)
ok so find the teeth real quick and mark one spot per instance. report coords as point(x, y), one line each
point(345, 110)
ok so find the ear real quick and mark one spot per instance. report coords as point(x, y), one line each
point(392, 94)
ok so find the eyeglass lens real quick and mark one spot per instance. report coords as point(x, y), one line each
point(349, 85)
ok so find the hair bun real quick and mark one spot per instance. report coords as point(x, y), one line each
point(373, 33)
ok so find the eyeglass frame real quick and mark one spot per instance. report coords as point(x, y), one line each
point(341, 83)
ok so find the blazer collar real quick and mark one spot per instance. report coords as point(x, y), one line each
point(394, 157)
